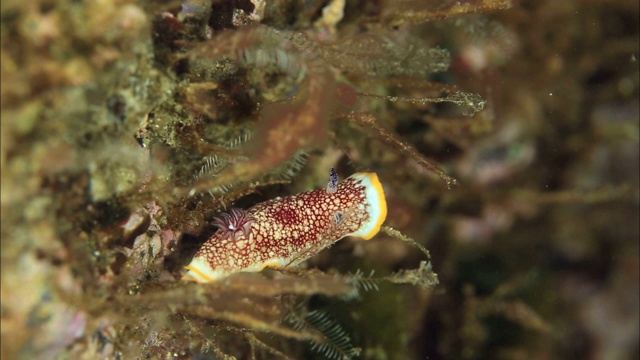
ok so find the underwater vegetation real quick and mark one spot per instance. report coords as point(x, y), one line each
point(494, 145)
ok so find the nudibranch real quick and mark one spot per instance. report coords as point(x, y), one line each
point(288, 230)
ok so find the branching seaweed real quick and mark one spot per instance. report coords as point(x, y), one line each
point(380, 56)
point(338, 344)
point(301, 121)
point(365, 283)
point(471, 103)
point(387, 136)
point(423, 276)
point(335, 342)
point(412, 12)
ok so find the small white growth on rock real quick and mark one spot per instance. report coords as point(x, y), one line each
point(332, 14)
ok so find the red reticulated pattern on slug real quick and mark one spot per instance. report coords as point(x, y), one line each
point(287, 230)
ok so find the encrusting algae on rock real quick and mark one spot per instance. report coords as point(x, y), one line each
point(288, 230)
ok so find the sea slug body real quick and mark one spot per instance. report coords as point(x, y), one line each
point(288, 230)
